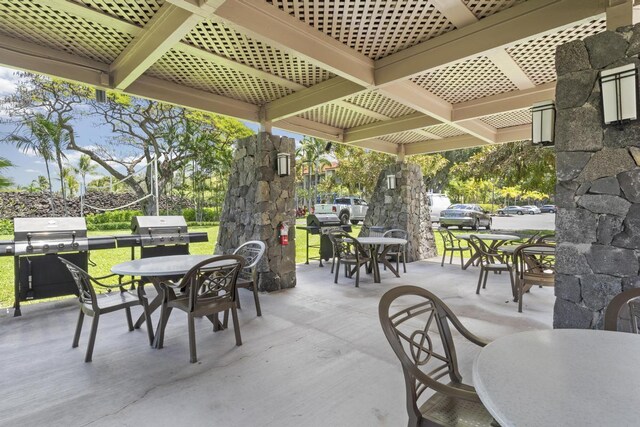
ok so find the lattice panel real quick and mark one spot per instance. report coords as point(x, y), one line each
point(512, 118)
point(376, 102)
point(337, 116)
point(197, 73)
point(221, 40)
point(484, 8)
point(375, 28)
point(405, 137)
point(444, 131)
point(537, 57)
point(466, 80)
point(137, 12)
point(29, 21)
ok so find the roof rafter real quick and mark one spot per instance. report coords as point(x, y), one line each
point(399, 124)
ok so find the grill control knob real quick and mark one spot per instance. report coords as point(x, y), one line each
point(60, 245)
point(45, 248)
point(29, 248)
point(75, 244)
point(171, 239)
point(162, 239)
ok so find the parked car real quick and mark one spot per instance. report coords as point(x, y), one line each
point(437, 202)
point(352, 209)
point(548, 208)
point(512, 210)
point(532, 209)
point(465, 215)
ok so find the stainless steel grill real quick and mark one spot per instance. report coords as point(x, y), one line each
point(37, 244)
point(322, 224)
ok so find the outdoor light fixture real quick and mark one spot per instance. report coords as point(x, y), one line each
point(619, 99)
point(328, 146)
point(101, 96)
point(391, 182)
point(543, 118)
point(284, 166)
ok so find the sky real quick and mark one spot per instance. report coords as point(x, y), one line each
point(89, 132)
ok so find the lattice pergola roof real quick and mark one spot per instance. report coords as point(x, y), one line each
point(399, 76)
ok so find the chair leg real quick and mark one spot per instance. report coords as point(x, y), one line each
point(486, 276)
point(255, 297)
point(462, 259)
point(92, 337)
point(76, 337)
point(127, 310)
point(164, 319)
point(480, 281)
point(451, 258)
point(444, 255)
point(404, 261)
point(238, 300)
point(357, 276)
point(193, 358)
point(335, 280)
point(236, 325)
point(520, 294)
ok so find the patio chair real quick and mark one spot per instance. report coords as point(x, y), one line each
point(208, 292)
point(490, 261)
point(532, 267)
point(397, 252)
point(626, 303)
point(417, 325)
point(352, 254)
point(332, 235)
point(252, 252)
point(452, 244)
point(94, 305)
point(546, 238)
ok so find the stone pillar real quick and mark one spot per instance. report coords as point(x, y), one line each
point(598, 183)
point(406, 207)
point(257, 201)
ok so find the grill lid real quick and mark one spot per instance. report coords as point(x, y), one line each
point(323, 220)
point(49, 235)
point(160, 230)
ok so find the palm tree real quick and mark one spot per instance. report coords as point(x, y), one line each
point(312, 151)
point(40, 142)
point(5, 182)
point(84, 168)
point(70, 180)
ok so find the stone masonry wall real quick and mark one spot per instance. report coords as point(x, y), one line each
point(406, 207)
point(257, 201)
point(598, 187)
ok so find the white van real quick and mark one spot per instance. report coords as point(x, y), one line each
point(438, 202)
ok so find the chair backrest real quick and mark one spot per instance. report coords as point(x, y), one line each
point(349, 247)
point(447, 237)
point(534, 265)
point(483, 250)
point(375, 231)
point(86, 292)
point(623, 304)
point(333, 234)
point(396, 232)
point(546, 238)
point(416, 324)
point(211, 284)
point(532, 239)
point(252, 252)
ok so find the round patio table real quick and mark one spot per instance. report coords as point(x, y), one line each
point(374, 243)
point(158, 268)
point(561, 377)
point(496, 240)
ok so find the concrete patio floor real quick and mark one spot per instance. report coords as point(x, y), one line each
point(317, 357)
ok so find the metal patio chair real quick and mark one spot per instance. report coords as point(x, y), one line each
point(397, 252)
point(417, 325)
point(350, 253)
point(490, 261)
point(452, 244)
point(252, 252)
point(94, 305)
point(533, 267)
point(625, 305)
point(332, 235)
point(208, 292)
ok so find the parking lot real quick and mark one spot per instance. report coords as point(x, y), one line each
point(545, 221)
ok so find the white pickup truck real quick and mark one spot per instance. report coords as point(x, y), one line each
point(352, 209)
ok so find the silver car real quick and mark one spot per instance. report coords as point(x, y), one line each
point(465, 215)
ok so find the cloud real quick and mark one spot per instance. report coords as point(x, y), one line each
point(8, 81)
point(31, 171)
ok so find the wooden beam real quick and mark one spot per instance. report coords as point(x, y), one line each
point(326, 92)
point(93, 15)
point(502, 29)
point(514, 133)
point(502, 103)
point(203, 8)
point(163, 31)
point(398, 124)
point(310, 128)
point(510, 68)
point(445, 144)
point(456, 12)
point(378, 145)
point(619, 14)
point(264, 22)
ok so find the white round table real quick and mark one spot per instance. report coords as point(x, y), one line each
point(561, 377)
point(374, 243)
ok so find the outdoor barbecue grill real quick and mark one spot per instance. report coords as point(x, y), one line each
point(37, 244)
point(160, 236)
point(322, 224)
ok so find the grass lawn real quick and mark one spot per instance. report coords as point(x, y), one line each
point(104, 259)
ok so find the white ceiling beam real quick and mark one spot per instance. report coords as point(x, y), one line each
point(502, 29)
point(38, 59)
point(445, 144)
point(310, 128)
point(362, 110)
point(619, 14)
point(399, 124)
point(326, 92)
point(502, 103)
point(377, 145)
point(93, 15)
point(456, 12)
point(203, 8)
point(510, 68)
point(264, 22)
point(514, 133)
point(163, 31)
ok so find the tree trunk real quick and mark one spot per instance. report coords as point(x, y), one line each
point(53, 209)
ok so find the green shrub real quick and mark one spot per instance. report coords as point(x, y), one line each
point(112, 217)
point(6, 226)
point(109, 226)
point(208, 214)
point(489, 207)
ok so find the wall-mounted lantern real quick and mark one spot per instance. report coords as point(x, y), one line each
point(619, 99)
point(284, 166)
point(101, 96)
point(391, 182)
point(543, 123)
